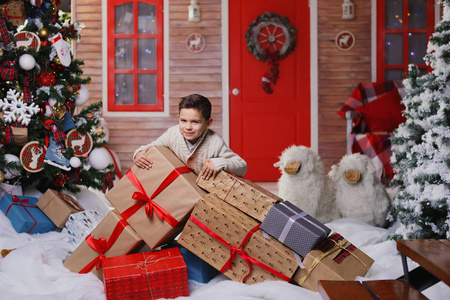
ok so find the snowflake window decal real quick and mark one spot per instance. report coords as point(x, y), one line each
point(14, 109)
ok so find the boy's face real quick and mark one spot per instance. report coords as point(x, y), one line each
point(192, 124)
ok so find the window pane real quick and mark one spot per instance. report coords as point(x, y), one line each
point(394, 49)
point(124, 53)
point(124, 89)
point(394, 14)
point(417, 48)
point(417, 12)
point(124, 18)
point(146, 18)
point(147, 54)
point(393, 74)
point(147, 89)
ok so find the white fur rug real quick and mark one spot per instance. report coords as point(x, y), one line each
point(35, 271)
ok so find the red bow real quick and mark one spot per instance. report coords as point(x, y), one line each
point(151, 205)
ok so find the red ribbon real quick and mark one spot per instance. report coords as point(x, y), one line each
point(59, 136)
point(24, 203)
point(4, 30)
point(115, 162)
point(102, 245)
point(151, 205)
point(242, 253)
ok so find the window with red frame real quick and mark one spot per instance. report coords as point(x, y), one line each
point(403, 30)
point(135, 55)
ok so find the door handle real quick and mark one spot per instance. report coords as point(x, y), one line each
point(235, 91)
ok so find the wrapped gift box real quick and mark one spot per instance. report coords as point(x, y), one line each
point(15, 10)
point(334, 259)
point(25, 216)
point(294, 227)
point(112, 237)
point(58, 206)
point(167, 189)
point(241, 193)
point(148, 275)
point(80, 224)
point(215, 227)
point(197, 268)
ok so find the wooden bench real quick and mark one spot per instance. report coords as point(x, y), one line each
point(368, 290)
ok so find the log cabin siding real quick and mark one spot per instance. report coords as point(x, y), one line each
point(338, 71)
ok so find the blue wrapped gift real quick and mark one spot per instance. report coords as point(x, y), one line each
point(197, 269)
point(25, 216)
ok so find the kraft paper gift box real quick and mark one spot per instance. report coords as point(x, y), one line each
point(58, 206)
point(334, 259)
point(241, 193)
point(148, 275)
point(231, 241)
point(15, 10)
point(24, 215)
point(112, 237)
point(294, 227)
point(166, 190)
point(20, 134)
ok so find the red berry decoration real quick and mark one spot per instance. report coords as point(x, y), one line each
point(59, 180)
point(45, 78)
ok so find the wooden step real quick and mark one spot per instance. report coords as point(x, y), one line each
point(368, 290)
point(392, 289)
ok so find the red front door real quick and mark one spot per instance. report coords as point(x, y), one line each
point(262, 125)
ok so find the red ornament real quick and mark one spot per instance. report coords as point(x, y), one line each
point(58, 68)
point(59, 180)
point(45, 78)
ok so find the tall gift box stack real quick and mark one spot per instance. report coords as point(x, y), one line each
point(157, 202)
point(112, 237)
point(231, 241)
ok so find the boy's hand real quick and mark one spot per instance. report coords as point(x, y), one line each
point(209, 170)
point(143, 161)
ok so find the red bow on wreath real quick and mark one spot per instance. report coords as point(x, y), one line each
point(271, 76)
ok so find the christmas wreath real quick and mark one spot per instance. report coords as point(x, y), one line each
point(271, 38)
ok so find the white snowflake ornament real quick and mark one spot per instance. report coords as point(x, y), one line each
point(15, 109)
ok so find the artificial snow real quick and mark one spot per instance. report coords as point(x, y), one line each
point(34, 270)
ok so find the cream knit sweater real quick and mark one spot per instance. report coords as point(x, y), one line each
point(210, 146)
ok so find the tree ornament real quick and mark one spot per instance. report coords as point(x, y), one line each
point(99, 158)
point(271, 38)
point(75, 162)
point(43, 33)
point(59, 110)
point(32, 157)
point(55, 155)
point(2, 176)
point(62, 48)
point(8, 71)
point(27, 39)
point(45, 78)
point(13, 106)
point(83, 95)
point(57, 60)
point(81, 143)
point(1, 52)
point(59, 180)
point(27, 62)
point(10, 174)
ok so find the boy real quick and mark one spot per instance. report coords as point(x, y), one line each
point(199, 147)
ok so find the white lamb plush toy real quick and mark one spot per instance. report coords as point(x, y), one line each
point(304, 183)
point(359, 192)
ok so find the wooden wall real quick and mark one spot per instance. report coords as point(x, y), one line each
point(189, 73)
point(339, 71)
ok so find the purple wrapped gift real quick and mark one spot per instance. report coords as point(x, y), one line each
point(24, 215)
point(294, 228)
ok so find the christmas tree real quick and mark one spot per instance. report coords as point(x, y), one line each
point(43, 143)
point(422, 145)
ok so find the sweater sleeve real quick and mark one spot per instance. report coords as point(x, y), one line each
point(163, 140)
point(229, 161)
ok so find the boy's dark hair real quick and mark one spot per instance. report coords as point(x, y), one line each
point(198, 102)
